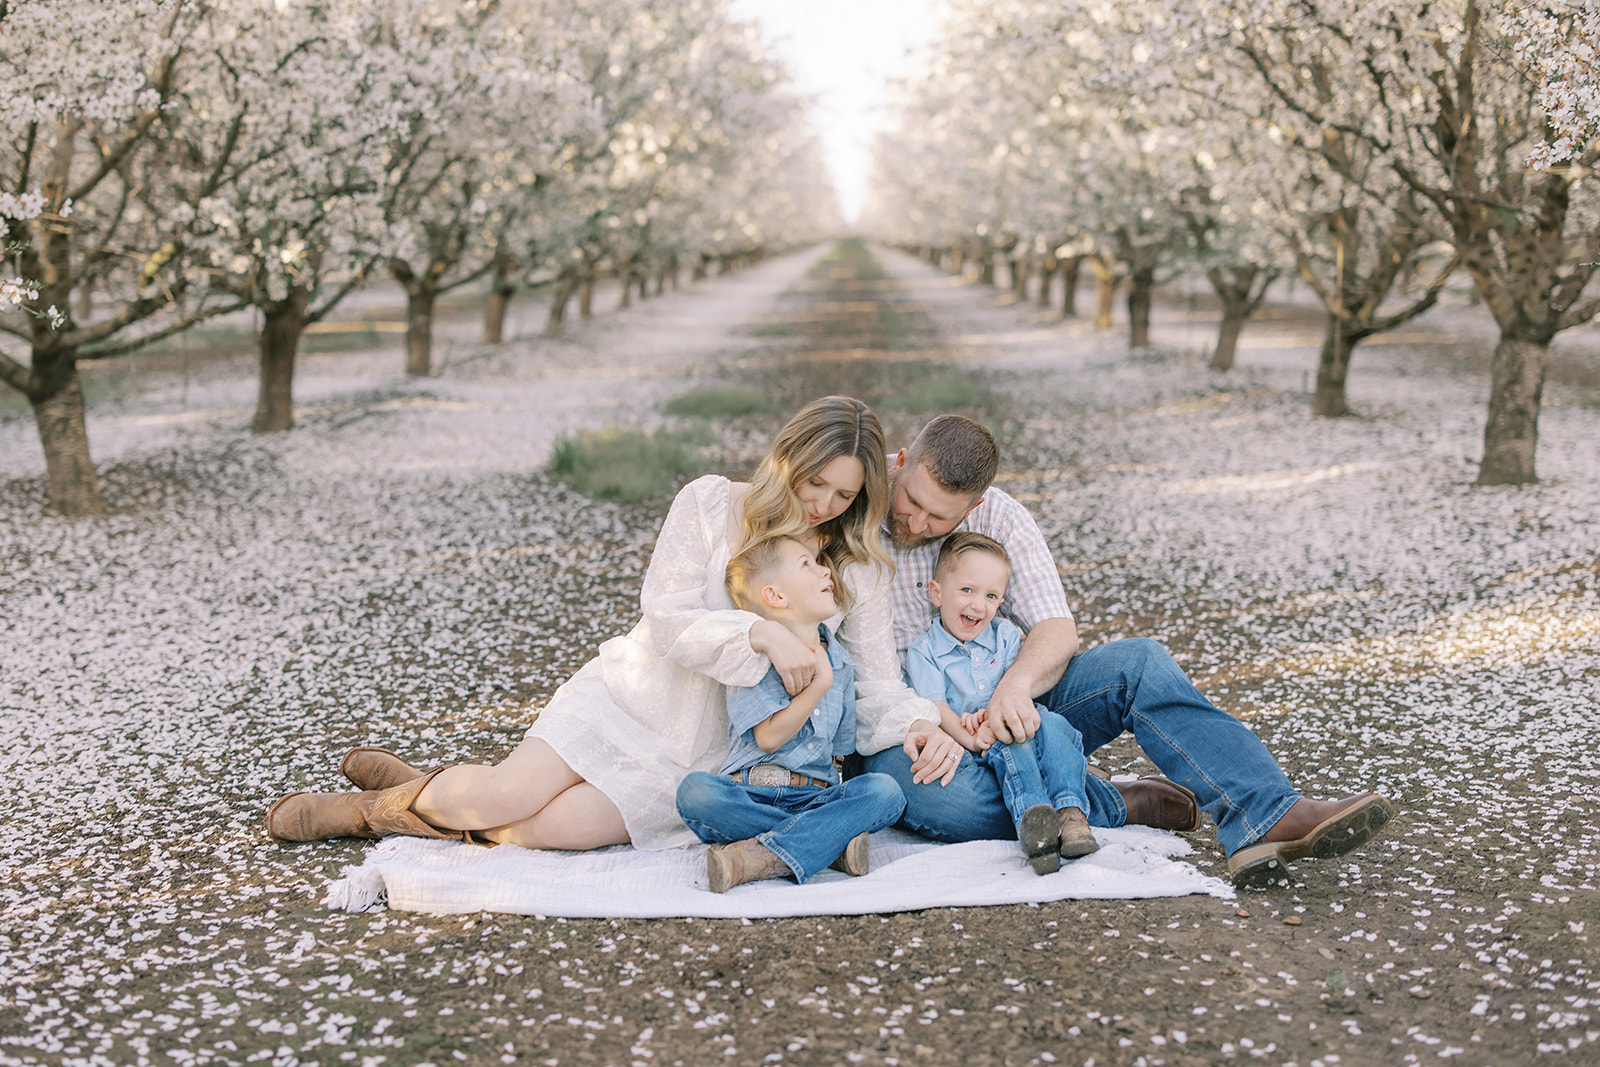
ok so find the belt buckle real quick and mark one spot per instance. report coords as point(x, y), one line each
point(768, 775)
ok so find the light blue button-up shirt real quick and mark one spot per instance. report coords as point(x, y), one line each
point(830, 732)
point(962, 675)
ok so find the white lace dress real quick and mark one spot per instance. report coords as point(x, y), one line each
point(652, 706)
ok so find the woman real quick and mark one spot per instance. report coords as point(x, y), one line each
point(602, 764)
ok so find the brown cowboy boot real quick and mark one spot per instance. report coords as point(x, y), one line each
point(376, 768)
point(1077, 840)
point(370, 813)
point(853, 860)
point(743, 861)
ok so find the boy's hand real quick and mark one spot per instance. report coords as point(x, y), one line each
point(974, 719)
point(983, 737)
point(963, 734)
point(823, 675)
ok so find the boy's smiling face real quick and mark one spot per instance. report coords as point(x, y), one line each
point(805, 584)
point(969, 592)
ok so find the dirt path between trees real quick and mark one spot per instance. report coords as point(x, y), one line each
point(399, 571)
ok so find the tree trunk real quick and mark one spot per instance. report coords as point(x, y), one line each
point(986, 269)
point(1511, 436)
point(1140, 284)
point(700, 269)
point(1333, 365)
point(958, 260)
point(501, 290)
point(1069, 286)
point(1233, 320)
point(1019, 278)
point(586, 296)
point(1105, 292)
point(627, 291)
point(58, 412)
point(1047, 271)
point(282, 323)
point(420, 297)
point(564, 286)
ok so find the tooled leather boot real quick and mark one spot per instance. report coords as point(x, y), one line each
point(742, 861)
point(371, 813)
point(376, 768)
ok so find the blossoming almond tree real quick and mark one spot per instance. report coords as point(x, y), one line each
point(90, 98)
point(1427, 96)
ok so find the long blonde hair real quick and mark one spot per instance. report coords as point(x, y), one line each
point(820, 433)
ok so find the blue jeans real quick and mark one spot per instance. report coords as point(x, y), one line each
point(806, 826)
point(1131, 685)
point(1048, 768)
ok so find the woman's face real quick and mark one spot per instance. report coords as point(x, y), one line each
point(831, 490)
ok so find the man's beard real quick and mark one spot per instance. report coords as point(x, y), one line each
point(901, 537)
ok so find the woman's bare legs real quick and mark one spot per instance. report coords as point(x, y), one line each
point(578, 818)
point(478, 797)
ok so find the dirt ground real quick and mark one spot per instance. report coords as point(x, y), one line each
point(149, 920)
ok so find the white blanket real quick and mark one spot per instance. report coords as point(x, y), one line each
point(909, 873)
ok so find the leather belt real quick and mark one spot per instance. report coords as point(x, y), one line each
point(771, 775)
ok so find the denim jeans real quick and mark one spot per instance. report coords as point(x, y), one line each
point(1131, 685)
point(806, 826)
point(1048, 768)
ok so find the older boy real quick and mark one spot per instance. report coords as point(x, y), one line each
point(778, 807)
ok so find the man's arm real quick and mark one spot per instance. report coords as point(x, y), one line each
point(1045, 653)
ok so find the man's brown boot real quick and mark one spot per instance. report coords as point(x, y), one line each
point(1159, 802)
point(370, 813)
point(743, 861)
point(376, 768)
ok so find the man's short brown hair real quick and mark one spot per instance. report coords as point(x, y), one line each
point(960, 544)
point(959, 452)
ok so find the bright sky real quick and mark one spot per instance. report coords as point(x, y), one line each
point(843, 52)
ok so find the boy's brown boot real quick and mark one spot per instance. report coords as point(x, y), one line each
point(742, 861)
point(1076, 837)
point(853, 860)
point(1040, 835)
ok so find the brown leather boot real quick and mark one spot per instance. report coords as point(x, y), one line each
point(1076, 838)
point(376, 768)
point(1159, 802)
point(853, 860)
point(371, 813)
point(743, 861)
point(1040, 834)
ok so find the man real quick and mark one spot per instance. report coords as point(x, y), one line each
point(943, 483)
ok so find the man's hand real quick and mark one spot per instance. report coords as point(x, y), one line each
point(934, 753)
point(1012, 714)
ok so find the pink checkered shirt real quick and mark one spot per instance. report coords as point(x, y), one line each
point(1035, 592)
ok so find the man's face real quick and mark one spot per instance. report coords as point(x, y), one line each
point(919, 510)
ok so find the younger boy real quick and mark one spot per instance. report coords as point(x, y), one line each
point(777, 807)
point(956, 664)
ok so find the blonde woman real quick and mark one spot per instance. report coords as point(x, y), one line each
point(602, 764)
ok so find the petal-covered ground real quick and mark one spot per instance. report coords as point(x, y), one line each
point(399, 570)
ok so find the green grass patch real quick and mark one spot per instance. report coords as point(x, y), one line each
point(626, 464)
point(773, 329)
point(848, 260)
point(720, 401)
point(936, 393)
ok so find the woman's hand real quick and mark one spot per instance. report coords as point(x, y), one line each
point(934, 753)
point(795, 660)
